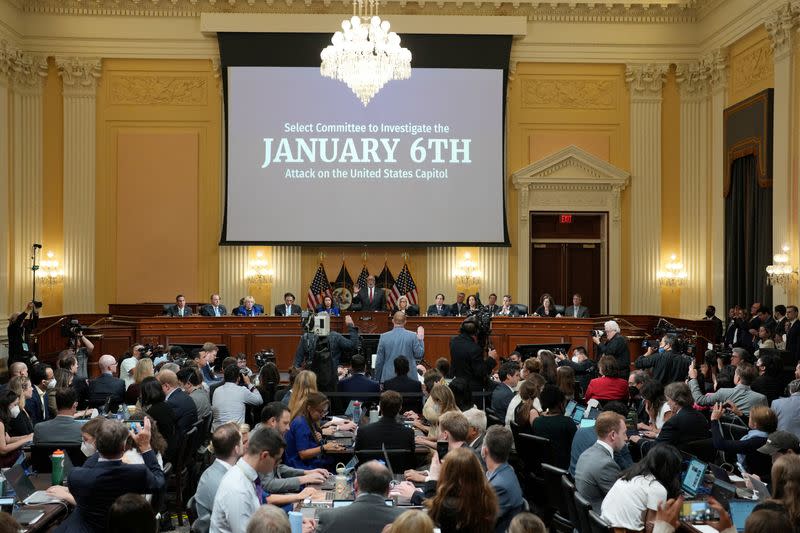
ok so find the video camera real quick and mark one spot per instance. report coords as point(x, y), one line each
point(318, 324)
point(71, 328)
point(264, 356)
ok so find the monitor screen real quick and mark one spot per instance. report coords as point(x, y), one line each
point(693, 476)
point(577, 414)
point(740, 510)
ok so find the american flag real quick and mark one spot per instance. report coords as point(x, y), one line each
point(320, 287)
point(403, 286)
point(362, 278)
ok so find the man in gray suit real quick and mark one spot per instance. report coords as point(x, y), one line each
point(788, 409)
point(227, 443)
point(496, 449)
point(399, 342)
point(596, 470)
point(576, 310)
point(741, 395)
point(63, 429)
point(369, 512)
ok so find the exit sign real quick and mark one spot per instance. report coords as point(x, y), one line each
point(565, 219)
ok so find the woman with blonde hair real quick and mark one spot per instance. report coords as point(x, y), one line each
point(464, 500)
point(143, 369)
point(440, 401)
point(22, 424)
point(304, 383)
point(305, 447)
point(411, 522)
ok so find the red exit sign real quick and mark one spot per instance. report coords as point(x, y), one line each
point(565, 219)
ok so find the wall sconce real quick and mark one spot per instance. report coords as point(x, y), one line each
point(49, 272)
point(781, 272)
point(672, 275)
point(467, 273)
point(259, 272)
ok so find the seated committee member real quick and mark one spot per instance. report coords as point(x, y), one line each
point(460, 307)
point(508, 308)
point(491, 304)
point(576, 310)
point(179, 308)
point(547, 309)
point(439, 308)
point(369, 298)
point(327, 306)
point(405, 307)
point(214, 308)
point(63, 428)
point(249, 307)
point(287, 308)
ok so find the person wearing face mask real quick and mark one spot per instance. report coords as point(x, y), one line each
point(88, 435)
point(10, 447)
point(580, 363)
point(22, 423)
point(668, 364)
point(63, 428)
point(37, 406)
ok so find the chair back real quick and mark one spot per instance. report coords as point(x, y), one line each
point(599, 525)
point(583, 506)
point(568, 493)
point(522, 309)
point(493, 418)
point(555, 498)
point(703, 449)
point(534, 451)
point(40, 455)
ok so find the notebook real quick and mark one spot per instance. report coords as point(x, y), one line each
point(693, 477)
point(739, 511)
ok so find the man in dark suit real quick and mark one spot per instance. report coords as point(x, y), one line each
point(576, 310)
point(502, 478)
point(19, 325)
point(711, 314)
point(37, 405)
point(287, 308)
point(387, 431)
point(106, 385)
point(460, 307)
point(214, 308)
point(179, 309)
point(596, 471)
point(466, 357)
point(780, 320)
point(491, 304)
point(63, 428)
point(617, 346)
point(183, 405)
point(402, 383)
point(502, 394)
point(358, 382)
point(369, 298)
point(793, 332)
point(369, 512)
point(94, 488)
point(439, 308)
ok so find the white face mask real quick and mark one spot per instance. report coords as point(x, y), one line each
point(51, 384)
point(14, 411)
point(575, 359)
point(88, 449)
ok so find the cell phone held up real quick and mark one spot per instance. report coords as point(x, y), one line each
point(441, 449)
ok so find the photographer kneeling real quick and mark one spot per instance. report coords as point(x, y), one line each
point(228, 404)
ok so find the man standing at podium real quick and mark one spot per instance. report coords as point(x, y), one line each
point(369, 298)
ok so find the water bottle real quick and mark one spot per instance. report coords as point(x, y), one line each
point(121, 413)
point(58, 467)
point(357, 413)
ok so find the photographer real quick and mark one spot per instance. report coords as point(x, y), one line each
point(129, 363)
point(19, 327)
point(229, 402)
point(580, 363)
point(667, 361)
point(322, 353)
point(468, 359)
point(616, 346)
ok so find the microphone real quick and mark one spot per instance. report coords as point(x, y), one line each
point(37, 245)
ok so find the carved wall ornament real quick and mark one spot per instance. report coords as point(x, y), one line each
point(569, 94)
point(80, 74)
point(646, 80)
point(751, 67)
point(716, 63)
point(693, 79)
point(158, 90)
point(780, 24)
point(27, 71)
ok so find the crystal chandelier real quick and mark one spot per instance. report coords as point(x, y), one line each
point(365, 54)
point(259, 272)
point(781, 272)
point(49, 273)
point(466, 274)
point(673, 275)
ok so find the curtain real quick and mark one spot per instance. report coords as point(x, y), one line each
point(748, 236)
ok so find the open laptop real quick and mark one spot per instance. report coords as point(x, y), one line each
point(395, 477)
point(693, 477)
point(761, 490)
point(739, 511)
point(568, 410)
point(24, 489)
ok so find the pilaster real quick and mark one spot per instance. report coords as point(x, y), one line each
point(493, 263)
point(27, 82)
point(693, 82)
point(645, 83)
point(287, 261)
point(5, 206)
point(716, 62)
point(440, 263)
point(80, 77)
point(232, 269)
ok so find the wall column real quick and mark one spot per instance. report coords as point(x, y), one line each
point(287, 264)
point(27, 85)
point(780, 25)
point(440, 264)
point(716, 62)
point(693, 81)
point(5, 204)
point(232, 268)
point(493, 263)
point(645, 83)
point(80, 77)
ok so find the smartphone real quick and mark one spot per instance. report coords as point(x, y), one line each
point(441, 449)
point(697, 511)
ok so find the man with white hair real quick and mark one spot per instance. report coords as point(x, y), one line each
point(106, 385)
point(477, 428)
point(616, 346)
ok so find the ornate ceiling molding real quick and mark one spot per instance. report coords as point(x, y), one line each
point(654, 11)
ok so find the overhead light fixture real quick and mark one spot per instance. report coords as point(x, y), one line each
point(673, 275)
point(466, 274)
point(259, 272)
point(50, 273)
point(781, 272)
point(365, 55)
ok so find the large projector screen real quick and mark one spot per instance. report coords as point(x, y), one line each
point(308, 163)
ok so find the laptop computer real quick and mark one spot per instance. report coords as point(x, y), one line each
point(395, 477)
point(719, 473)
point(24, 489)
point(761, 490)
point(739, 511)
point(693, 477)
point(570, 408)
point(577, 413)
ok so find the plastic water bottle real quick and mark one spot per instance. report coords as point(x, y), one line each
point(357, 413)
point(58, 467)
